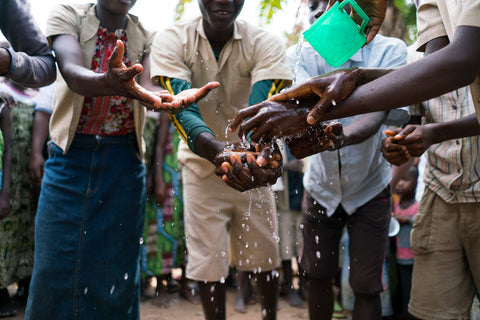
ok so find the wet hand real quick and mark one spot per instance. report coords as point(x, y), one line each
point(244, 166)
point(315, 139)
point(328, 89)
point(121, 79)
point(186, 98)
point(375, 10)
point(270, 119)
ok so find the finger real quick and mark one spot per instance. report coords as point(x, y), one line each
point(131, 72)
point(392, 132)
point(404, 132)
point(117, 54)
point(203, 91)
point(319, 109)
point(244, 114)
point(300, 91)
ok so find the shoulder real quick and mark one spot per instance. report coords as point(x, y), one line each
point(383, 42)
point(249, 31)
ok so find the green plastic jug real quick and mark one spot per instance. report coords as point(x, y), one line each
point(335, 36)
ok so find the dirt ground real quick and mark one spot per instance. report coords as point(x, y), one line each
point(181, 309)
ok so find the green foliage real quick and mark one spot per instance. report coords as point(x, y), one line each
point(180, 9)
point(268, 8)
point(409, 14)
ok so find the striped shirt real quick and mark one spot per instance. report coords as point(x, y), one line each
point(452, 169)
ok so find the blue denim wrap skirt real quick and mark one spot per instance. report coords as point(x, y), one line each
point(88, 232)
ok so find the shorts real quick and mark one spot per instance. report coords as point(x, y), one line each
point(446, 271)
point(219, 218)
point(368, 231)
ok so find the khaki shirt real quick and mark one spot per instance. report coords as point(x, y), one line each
point(437, 18)
point(183, 51)
point(80, 21)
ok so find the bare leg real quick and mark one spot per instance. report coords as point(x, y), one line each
point(160, 299)
point(186, 291)
point(212, 296)
point(320, 299)
point(267, 283)
point(243, 291)
point(367, 306)
point(291, 294)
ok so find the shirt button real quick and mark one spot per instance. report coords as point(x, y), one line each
point(454, 107)
point(457, 141)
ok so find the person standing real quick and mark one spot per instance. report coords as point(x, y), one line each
point(250, 64)
point(92, 201)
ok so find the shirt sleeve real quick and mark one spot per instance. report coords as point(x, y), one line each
point(32, 63)
point(188, 122)
point(429, 23)
point(264, 89)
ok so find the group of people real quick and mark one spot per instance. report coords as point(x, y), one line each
point(90, 224)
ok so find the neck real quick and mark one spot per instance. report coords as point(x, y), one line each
point(218, 39)
point(110, 20)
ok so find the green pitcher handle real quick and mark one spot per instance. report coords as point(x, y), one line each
point(359, 11)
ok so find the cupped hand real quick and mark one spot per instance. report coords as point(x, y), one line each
point(268, 120)
point(6, 98)
point(328, 89)
point(315, 139)
point(375, 10)
point(244, 166)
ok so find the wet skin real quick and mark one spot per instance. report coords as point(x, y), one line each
point(293, 110)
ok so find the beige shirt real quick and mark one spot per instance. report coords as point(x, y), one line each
point(80, 21)
point(183, 51)
point(437, 18)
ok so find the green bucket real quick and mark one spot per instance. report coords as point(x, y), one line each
point(335, 36)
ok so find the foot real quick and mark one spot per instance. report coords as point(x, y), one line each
point(190, 294)
point(240, 306)
point(173, 285)
point(294, 299)
point(160, 299)
point(6, 306)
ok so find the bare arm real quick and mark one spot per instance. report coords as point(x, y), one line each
point(454, 66)
point(39, 137)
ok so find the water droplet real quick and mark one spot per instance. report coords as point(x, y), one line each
point(141, 240)
point(112, 289)
point(222, 280)
point(318, 254)
point(317, 239)
point(125, 276)
point(85, 291)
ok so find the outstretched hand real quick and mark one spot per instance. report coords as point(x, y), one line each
point(244, 166)
point(375, 10)
point(121, 79)
point(329, 89)
point(315, 139)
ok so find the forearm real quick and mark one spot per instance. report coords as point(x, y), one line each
point(456, 129)
point(162, 135)
point(435, 74)
point(363, 128)
point(31, 71)
point(207, 146)
point(40, 131)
